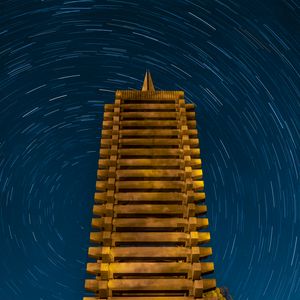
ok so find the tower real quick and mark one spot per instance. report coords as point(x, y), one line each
point(149, 225)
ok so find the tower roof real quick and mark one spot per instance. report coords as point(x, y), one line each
point(148, 83)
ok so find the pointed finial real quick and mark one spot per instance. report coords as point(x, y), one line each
point(148, 83)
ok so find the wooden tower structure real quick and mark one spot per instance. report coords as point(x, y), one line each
point(149, 225)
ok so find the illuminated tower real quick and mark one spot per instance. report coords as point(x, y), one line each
point(149, 223)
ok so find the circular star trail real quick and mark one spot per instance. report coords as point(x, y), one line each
point(61, 61)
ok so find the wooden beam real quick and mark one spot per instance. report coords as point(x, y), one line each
point(177, 238)
point(150, 253)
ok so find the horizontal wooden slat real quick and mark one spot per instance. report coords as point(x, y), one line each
point(194, 238)
point(209, 284)
point(147, 123)
point(151, 152)
point(198, 185)
point(143, 284)
point(149, 209)
point(164, 173)
point(149, 132)
point(109, 223)
point(197, 174)
point(109, 107)
point(207, 267)
point(138, 196)
point(138, 96)
point(108, 116)
point(147, 106)
point(146, 197)
point(148, 115)
point(149, 142)
point(146, 185)
point(200, 209)
point(154, 132)
point(153, 253)
point(106, 133)
point(162, 185)
point(190, 106)
point(144, 115)
point(142, 209)
point(202, 223)
point(159, 286)
point(152, 223)
point(149, 162)
point(140, 269)
point(149, 173)
point(197, 223)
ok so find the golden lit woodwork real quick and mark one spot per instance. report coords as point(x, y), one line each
point(149, 239)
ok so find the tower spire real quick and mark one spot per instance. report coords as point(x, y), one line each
point(148, 83)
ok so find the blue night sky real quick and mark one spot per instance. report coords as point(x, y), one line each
point(61, 61)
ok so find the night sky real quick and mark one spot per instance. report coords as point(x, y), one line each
point(61, 61)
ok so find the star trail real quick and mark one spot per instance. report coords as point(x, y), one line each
point(61, 61)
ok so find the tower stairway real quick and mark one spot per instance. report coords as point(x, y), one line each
point(149, 227)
